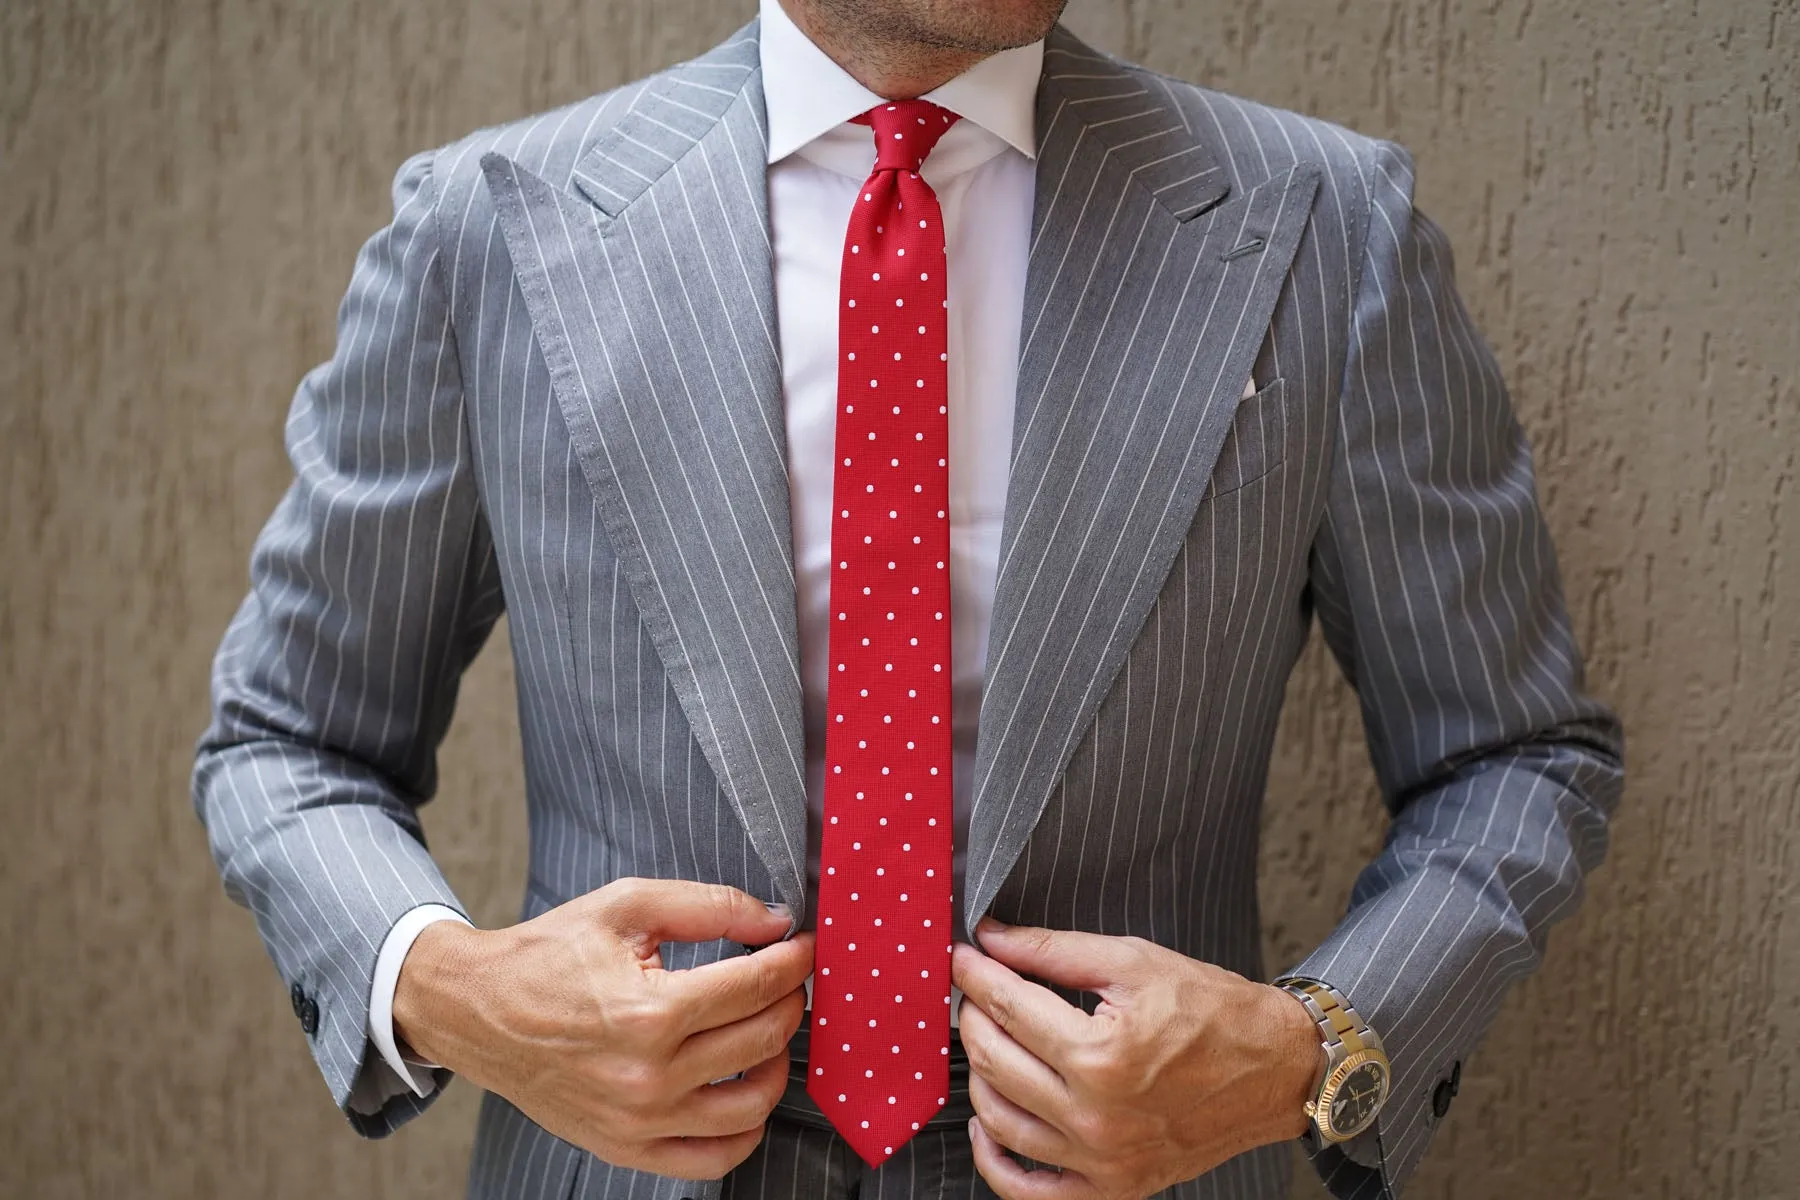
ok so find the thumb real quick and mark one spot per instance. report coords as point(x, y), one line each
point(653, 911)
point(1091, 962)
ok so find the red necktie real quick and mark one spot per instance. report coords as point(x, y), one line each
point(879, 1065)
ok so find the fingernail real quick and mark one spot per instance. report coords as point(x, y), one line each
point(988, 925)
point(778, 909)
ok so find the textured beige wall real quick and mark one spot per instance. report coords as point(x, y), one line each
point(183, 184)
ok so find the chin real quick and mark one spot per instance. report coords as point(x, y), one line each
point(978, 26)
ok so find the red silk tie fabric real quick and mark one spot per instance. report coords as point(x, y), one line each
point(879, 1065)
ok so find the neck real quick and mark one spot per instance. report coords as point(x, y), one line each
point(883, 60)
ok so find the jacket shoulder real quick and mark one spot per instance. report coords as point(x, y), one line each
point(1256, 140)
point(548, 144)
point(1253, 141)
point(552, 144)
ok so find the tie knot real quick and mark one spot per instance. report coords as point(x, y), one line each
point(905, 132)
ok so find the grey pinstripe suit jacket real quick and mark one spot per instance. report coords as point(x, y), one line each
point(556, 393)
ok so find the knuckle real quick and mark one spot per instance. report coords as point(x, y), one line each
point(619, 891)
point(723, 899)
point(620, 905)
point(766, 983)
point(1091, 1063)
point(637, 1084)
point(1090, 1127)
point(772, 1037)
point(979, 1052)
point(771, 1094)
point(641, 1018)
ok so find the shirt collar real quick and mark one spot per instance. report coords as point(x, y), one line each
point(807, 94)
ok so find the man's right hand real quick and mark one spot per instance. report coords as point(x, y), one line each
point(572, 1017)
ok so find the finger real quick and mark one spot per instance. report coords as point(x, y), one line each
point(701, 1158)
point(1036, 1017)
point(1017, 1129)
point(1016, 1072)
point(1013, 1181)
point(719, 993)
point(716, 1053)
point(653, 911)
point(1090, 962)
point(730, 1107)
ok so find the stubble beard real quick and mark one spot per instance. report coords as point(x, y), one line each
point(952, 26)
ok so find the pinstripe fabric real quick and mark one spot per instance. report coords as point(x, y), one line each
point(800, 1159)
point(556, 392)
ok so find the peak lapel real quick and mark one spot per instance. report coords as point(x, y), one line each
point(1148, 294)
point(651, 297)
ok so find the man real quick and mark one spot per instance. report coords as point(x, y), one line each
point(819, 676)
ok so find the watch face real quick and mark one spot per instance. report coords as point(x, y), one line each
point(1358, 1098)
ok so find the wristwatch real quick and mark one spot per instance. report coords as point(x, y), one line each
point(1357, 1076)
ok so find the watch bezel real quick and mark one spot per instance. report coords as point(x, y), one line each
point(1334, 1080)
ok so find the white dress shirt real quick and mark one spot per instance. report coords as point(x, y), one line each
point(983, 173)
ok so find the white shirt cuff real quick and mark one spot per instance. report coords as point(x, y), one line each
point(381, 994)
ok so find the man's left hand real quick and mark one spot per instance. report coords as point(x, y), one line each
point(1182, 1065)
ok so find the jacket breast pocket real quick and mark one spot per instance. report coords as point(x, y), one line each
point(1255, 443)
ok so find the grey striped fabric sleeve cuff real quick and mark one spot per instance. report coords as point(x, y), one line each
point(326, 882)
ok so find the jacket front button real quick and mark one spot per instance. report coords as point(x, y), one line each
point(309, 1016)
point(1441, 1097)
point(297, 995)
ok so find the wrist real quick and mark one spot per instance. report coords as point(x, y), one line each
point(1299, 1060)
point(434, 987)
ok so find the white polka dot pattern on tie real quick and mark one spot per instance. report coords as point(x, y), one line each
point(886, 849)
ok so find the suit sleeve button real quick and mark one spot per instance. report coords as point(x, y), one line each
point(1441, 1097)
point(309, 1016)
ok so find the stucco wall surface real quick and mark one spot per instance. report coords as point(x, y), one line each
point(183, 185)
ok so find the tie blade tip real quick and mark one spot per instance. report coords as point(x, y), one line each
point(876, 1136)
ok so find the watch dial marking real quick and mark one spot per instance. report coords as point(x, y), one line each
point(1358, 1099)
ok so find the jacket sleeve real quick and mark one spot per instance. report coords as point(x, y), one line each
point(372, 586)
point(1437, 589)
